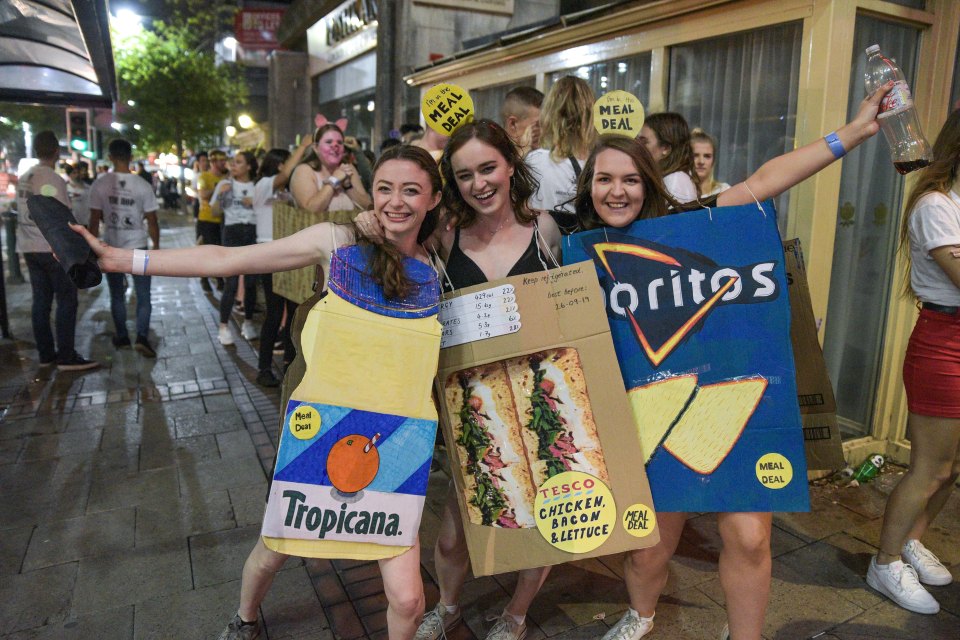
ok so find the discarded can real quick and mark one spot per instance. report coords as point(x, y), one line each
point(870, 468)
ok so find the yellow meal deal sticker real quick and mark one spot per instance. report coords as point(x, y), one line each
point(445, 107)
point(304, 422)
point(774, 471)
point(575, 511)
point(618, 112)
point(639, 520)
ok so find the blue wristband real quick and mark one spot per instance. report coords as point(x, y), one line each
point(835, 145)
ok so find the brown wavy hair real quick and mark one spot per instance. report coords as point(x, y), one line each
point(657, 201)
point(939, 177)
point(522, 184)
point(386, 264)
point(672, 129)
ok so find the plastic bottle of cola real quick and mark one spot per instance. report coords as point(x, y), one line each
point(898, 117)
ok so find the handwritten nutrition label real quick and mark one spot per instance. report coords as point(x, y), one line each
point(479, 315)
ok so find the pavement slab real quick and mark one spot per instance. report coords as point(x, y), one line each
point(99, 533)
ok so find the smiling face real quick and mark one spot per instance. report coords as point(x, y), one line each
point(703, 159)
point(330, 149)
point(483, 177)
point(402, 196)
point(617, 188)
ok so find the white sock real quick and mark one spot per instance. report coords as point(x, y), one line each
point(637, 613)
point(518, 619)
point(451, 608)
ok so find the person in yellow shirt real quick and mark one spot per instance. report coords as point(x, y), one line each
point(212, 169)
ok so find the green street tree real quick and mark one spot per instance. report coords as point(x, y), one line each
point(181, 95)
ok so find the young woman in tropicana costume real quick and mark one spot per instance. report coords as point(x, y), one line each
point(406, 187)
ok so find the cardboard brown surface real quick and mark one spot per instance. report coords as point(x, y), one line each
point(560, 310)
point(818, 407)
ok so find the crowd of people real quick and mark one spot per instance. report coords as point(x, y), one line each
point(490, 201)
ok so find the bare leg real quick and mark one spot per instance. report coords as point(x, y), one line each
point(745, 570)
point(936, 502)
point(914, 502)
point(529, 582)
point(258, 572)
point(645, 571)
point(450, 554)
point(403, 587)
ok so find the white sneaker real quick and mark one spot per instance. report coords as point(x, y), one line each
point(225, 336)
point(929, 568)
point(725, 632)
point(630, 627)
point(506, 628)
point(248, 330)
point(435, 623)
point(898, 581)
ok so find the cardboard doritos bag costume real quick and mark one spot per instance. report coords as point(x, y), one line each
point(359, 425)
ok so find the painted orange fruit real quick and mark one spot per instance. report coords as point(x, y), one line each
point(353, 462)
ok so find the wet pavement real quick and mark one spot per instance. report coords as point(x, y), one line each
point(132, 494)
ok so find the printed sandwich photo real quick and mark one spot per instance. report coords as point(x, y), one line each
point(499, 490)
point(559, 430)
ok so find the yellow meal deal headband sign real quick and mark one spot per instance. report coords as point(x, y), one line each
point(618, 112)
point(446, 107)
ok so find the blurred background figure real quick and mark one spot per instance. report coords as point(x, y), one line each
point(667, 137)
point(704, 148)
point(520, 115)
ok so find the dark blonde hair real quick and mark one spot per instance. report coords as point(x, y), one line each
point(566, 118)
point(672, 129)
point(938, 177)
point(311, 158)
point(522, 184)
point(657, 201)
point(386, 265)
point(699, 135)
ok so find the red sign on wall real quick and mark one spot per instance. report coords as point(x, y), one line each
point(257, 28)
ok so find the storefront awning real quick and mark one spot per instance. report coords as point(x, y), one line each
point(56, 52)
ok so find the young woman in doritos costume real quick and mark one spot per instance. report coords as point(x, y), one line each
point(620, 184)
point(395, 271)
point(489, 233)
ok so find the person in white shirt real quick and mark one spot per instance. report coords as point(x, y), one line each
point(667, 137)
point(931, 378)
point(567, 137)
point(48, 281)
point(233, 199)
point(704, 160)
point(79, 192)
point(127, 205)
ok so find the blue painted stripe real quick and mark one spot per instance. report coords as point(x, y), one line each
point(403, 453)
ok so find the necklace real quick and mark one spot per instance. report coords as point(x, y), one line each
point(500, 226)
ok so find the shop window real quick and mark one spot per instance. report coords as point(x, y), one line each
point(742, 90)
point(487, 101)
point(626, 74)
point(865, 245)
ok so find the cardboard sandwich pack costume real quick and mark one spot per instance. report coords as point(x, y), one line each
point(538, 429)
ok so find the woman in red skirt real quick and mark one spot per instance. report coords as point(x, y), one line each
point(931, 375)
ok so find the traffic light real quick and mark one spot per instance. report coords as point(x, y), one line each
point(78, 123)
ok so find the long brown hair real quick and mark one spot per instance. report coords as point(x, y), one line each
point(672, 129)
point(566, 119)
point(522, 184)
point(386, 265)
point(939, 176)
point(311, 158)
point(657, 201)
